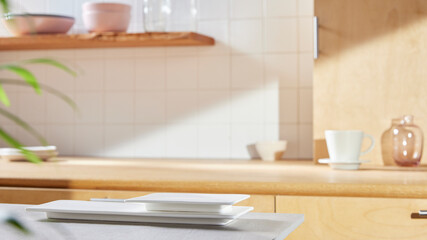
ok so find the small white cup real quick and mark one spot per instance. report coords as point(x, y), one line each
point(345, 145)
point(271, 150)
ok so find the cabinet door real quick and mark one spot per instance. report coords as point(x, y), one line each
point(371, 67)
point(337, 218)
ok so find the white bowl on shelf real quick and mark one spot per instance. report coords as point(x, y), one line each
point(271, 150)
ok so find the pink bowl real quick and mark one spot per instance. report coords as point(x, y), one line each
point(26, 24)
point(106, 21)
point(106, 7)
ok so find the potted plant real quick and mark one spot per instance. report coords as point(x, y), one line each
point(25, 78)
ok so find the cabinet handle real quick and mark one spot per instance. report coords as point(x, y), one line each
point(316, 37)
point(418, 215)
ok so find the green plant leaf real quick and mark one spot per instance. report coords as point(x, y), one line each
point(51, 62)
point(3, 97)
point(5, 6)
point(23, 125)
point(17, 224)
point(46, 88)
point(24, 73)
point(30, 156)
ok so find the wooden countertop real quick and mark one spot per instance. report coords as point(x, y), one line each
point(252, 177)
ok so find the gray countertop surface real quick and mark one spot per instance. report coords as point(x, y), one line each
point(252, 226)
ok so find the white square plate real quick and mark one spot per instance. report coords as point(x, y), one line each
point(190, 198)
point(189, 202)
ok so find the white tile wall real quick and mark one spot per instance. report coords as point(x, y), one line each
point(246, 36)
point(280, 8)
point(247, 71)
point(280, 35)
point(246, 8)
point(150, 107)
point(150, 140)
point(181, 102)
point(214, 72)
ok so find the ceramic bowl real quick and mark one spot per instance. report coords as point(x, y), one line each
point(105, 7)
point(271, 150)
point(106, 21)
point(26, 24)
point(106, 17)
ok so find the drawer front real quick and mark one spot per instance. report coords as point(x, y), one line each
point(337, 218)
point(261, 203)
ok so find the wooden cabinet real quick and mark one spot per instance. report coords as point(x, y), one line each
point(351, 218)
point(371, 67)
point(261, 203)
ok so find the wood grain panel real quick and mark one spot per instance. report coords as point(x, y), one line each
point(261, 203)
point(337, 218)
point(371, 66)
point(245, 177)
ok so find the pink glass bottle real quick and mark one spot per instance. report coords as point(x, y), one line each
point(387, 143)
point(407, 143)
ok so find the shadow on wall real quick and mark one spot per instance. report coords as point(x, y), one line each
point(249, 110)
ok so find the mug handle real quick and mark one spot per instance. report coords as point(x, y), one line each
point(370, 147)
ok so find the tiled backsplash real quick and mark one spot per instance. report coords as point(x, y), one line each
point(181, 102)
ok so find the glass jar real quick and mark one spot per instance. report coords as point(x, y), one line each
point(156, 14)
point(387, 143)
point(407, 142)
point(183, 16)
point(169, 15)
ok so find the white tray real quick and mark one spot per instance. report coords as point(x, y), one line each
point(191, 198)
point(131, 212)
point(138, 219)
point(192, 202)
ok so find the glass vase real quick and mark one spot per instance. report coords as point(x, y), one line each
point(387, 143)
point(407, 143)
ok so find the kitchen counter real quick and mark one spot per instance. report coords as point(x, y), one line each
point(251, 226)
point(299, 178)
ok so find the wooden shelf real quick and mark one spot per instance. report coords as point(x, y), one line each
point(105, 40)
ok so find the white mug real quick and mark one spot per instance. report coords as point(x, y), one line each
point(345, 145)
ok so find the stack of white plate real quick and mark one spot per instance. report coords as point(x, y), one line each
point(177, 208)
point(14, 154)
